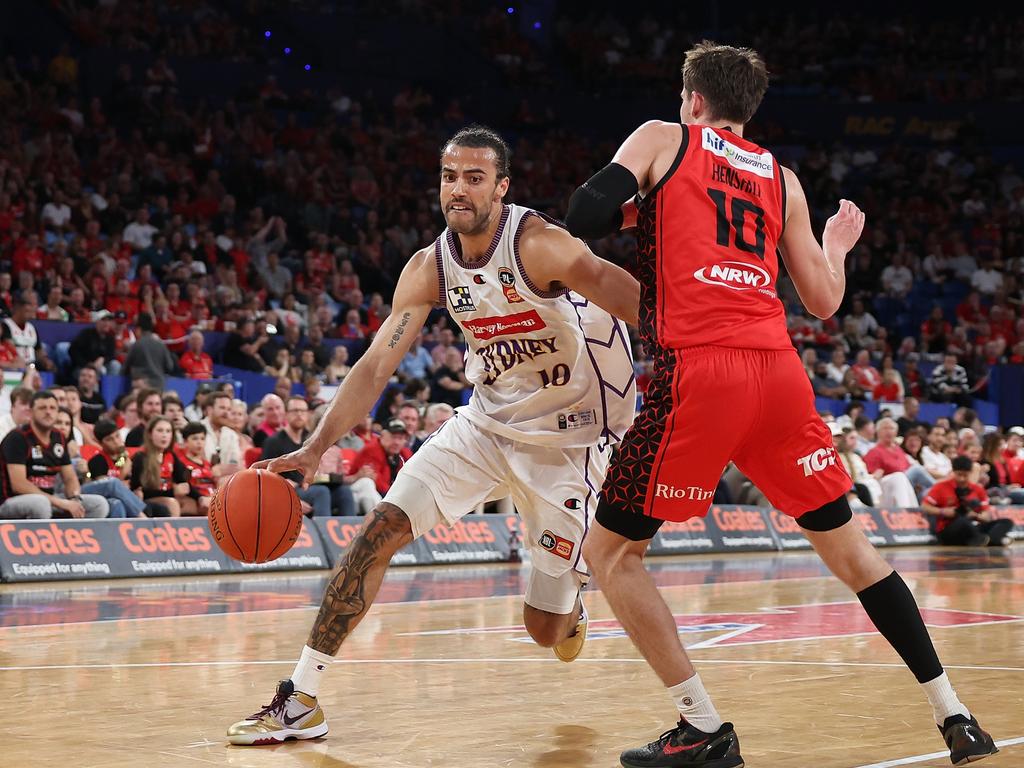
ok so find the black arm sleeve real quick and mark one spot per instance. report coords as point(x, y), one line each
point(595, 209)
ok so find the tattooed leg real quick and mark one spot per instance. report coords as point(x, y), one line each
point(356, 581)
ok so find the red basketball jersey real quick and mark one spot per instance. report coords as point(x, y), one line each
point(707, 246)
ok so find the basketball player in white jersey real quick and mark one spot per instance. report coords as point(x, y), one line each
point(553, 390)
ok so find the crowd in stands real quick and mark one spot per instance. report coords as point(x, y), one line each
point(283, 220)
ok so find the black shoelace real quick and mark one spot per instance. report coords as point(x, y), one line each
point(284, 689)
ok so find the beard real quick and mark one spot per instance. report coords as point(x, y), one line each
point(472, 224)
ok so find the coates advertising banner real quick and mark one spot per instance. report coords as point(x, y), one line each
point(905, 526)
point(474, 539)
point(723, 529)
point(39, 550)
point(307, 553)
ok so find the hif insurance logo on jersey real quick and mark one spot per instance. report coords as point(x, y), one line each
point(761, 163)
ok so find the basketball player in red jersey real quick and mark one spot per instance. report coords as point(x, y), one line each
point(712, 209)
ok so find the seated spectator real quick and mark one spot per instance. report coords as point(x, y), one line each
point(307, 366)
point(409, 414)
point(999, 485)
point(865, 374)
point(417, 362)
point(449, 381)
point(158, 476)
point(82, 431)
point(912, 444)
point(386, 455)
point(312, 386)
point(149, 358)
point(824, 385)
point(890, 388)
point(93, 404)
point(319, 498)
point(445, 343)
point(891, 459)
point(865, 431)
point(353, 327)
point(935, 332)
point(933, 456)
point(837, 365)
point(148, 404)
point(280, 365)
point(243, 347)
point(223, 448)
point(949, 383)
point(909, 420)
point(195, 362)
point(192, 453)
point(240, 424)
point(32, 457)
point(112, 460)
point(436, 415)
point(338, 368)
point(10, 359)
point(120, 499)
point(21, 410)
point(873, 489)
point(960, 511)
point(897, 279)
point(273, 418)
point(24, 335)
point(174, 411)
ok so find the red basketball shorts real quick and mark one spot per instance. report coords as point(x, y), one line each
point(707, 406)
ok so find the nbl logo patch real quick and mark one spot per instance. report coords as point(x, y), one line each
point(461, 299)
point(508, 285)
point(556, 545)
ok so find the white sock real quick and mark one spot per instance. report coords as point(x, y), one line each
point(695, 705)
point(943, 699)
point(311, 667)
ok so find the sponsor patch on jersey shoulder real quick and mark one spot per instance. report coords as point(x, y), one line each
point(461, 299)
point(761, 163)
point(507, 279)
point(485, 328)
point(556, 545)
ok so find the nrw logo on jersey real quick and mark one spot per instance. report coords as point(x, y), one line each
point(735, 275)
point(761, 163)
point(485, 328)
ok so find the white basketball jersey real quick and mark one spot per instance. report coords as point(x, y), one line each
point(25, 339)
point(548, 368)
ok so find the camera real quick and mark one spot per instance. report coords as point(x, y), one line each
point(964, 505)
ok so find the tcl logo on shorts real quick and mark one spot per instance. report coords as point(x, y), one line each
point(816, 462)
point(735, 275)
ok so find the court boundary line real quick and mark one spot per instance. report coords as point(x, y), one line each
point(503, 660)
point(933, 755)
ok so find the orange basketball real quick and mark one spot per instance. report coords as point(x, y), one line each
point(256, 516)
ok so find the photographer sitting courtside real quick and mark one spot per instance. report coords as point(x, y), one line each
point(962, 513)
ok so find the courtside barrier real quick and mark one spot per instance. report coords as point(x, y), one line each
point(56, 550)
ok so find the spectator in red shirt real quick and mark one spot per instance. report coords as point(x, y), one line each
point(195, 363)
point(961, 512)
point(890, 388)
point(970, 310)
point(386, 455)
point(273, 418)
point(353, 327)
point(193, 455)
point(123, 301)
point(865, 374)
point(890, 458)
point(935, 331)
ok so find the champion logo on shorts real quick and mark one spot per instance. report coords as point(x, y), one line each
point(556, 545)
point(572, 503)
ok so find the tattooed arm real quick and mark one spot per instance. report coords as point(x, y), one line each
point(415, 295)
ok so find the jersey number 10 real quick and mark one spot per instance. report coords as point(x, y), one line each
point(725, 223)
point(558, 377)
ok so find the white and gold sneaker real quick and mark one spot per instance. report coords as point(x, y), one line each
point(570, 648)
point(291, 715)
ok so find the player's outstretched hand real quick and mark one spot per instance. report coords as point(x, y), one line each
point(303, 460)
point(843, 230)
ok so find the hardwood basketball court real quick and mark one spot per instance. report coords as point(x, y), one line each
point(150, 673)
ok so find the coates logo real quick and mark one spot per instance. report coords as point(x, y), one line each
point(735, 275)
point(761, 163)
point(556, 545)
point(820, 460)
point(485, 328)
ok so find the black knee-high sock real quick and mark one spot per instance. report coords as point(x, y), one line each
point(891, 606)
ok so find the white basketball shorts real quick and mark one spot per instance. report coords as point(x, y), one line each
point(554, 489)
